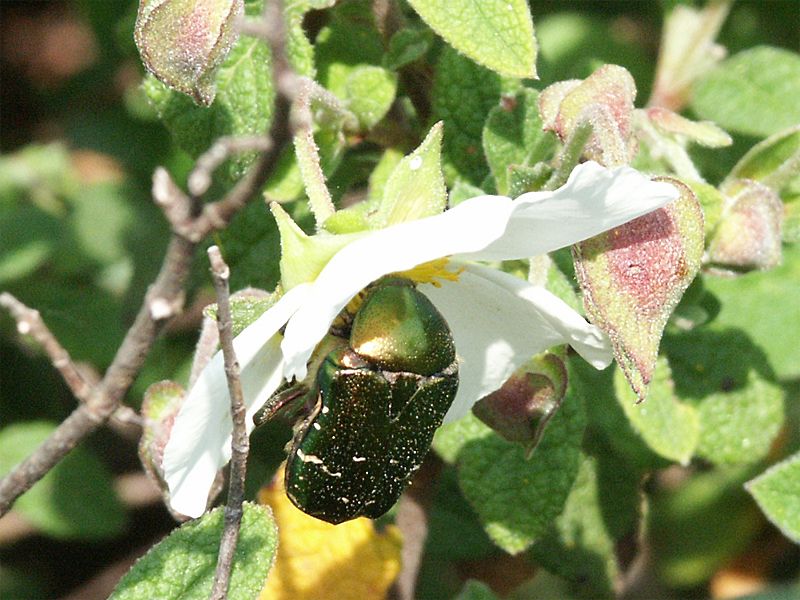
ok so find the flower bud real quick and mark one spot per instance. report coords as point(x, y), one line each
point(748, 236)
point(182, 42)
point(520, 410)
point(605, 100)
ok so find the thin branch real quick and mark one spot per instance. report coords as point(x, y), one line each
point(200, 178)
point(163, 300)
point(29, 322)
point(240, 442)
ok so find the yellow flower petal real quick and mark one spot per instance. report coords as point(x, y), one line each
point(319, 560)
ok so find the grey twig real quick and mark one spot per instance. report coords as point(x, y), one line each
point(29, 322)
point(240, 443)
point(200, 178)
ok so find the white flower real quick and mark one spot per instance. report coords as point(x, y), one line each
point(498, 321)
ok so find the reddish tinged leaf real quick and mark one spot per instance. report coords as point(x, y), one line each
point(633, 276)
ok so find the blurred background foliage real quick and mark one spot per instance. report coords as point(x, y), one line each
point(80, 240)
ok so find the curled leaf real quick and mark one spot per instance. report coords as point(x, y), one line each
point(521, 409)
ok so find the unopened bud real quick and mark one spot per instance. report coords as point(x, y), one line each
point(520, 410)
point(182, 42)
point(748, 236)
point(605, 100)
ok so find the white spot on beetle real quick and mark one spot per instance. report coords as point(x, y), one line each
point(332, 474)
point(359, 459)
point(316, 426)
point(345, 500)
point(325, 410)
point(309, 458)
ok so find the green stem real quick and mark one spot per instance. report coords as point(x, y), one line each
point(570, 155)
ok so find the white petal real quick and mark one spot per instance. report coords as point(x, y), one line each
point(468, 227)
point(593, 200)
point(200, 440)
point(498, 322)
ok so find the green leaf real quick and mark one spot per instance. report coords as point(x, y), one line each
point(243, 105)
point(299, 50)
point(454, 532)
point(513, 136)
point(602, 507)
point(766, 158)
point(727, 378)
point(517, 498)
point(669, 427)
point(349, 56)
point(607, 420)
point(754, 92)
point(765, 306)
point(28, 236)
point(415, 189)
point(495, 33)
point(251, 246)
point(476, 590)
point(57, 505)
point(183, 564)
point(777, 492)
point(406, 46)
point(369, 92)
point(463, 94)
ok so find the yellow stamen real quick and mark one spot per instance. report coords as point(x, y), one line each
point(432, 271)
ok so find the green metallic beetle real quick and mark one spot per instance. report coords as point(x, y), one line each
point(387, 377)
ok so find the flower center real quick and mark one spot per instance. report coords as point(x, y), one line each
point(432, 272)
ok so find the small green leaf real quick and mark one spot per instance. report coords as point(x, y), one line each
point(415, 189)
point(243, 105)
point(775, 162)
point(495, 33)
point(299, 50)
point(669, 427)
point(476, 590)
point(513, 136)
point(57, 504)
point(754, 92)
point(369, 92)
point(777, 492)
point(406, 46)
point(463, 191)
point(516, 498)
point(463, 94)
point(183, 564)
point(727, 378)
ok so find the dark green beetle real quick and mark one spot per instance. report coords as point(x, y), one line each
point(378, 396)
